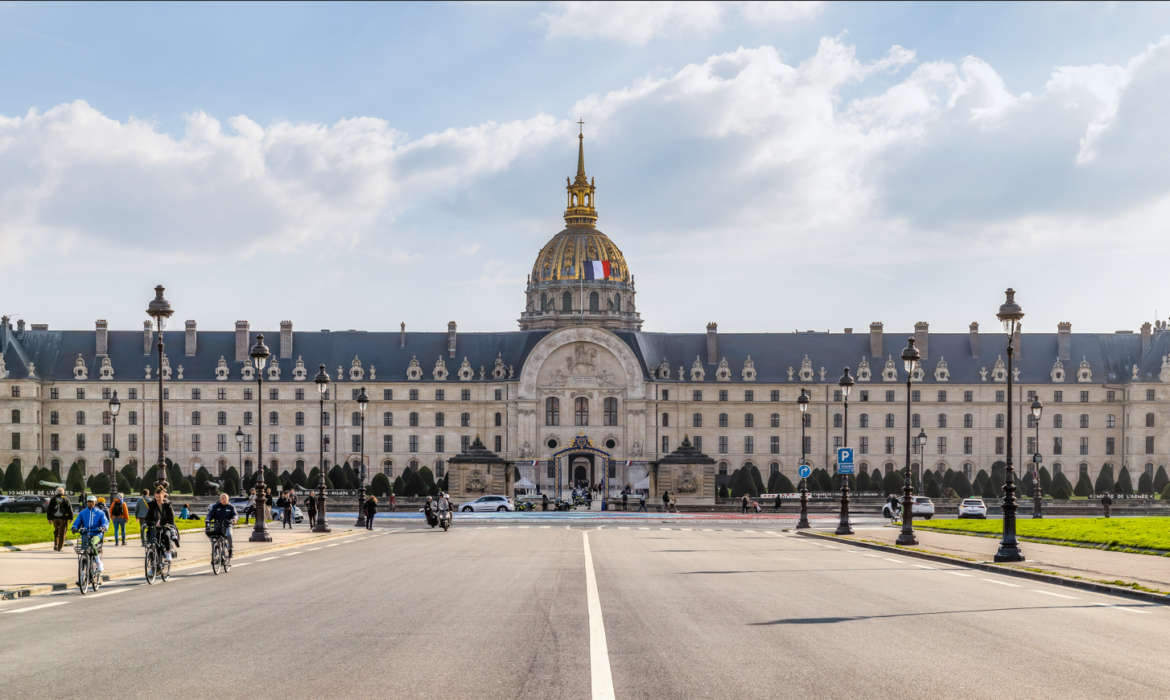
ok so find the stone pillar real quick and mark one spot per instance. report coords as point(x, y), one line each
point(478, 472)
point(689, 476)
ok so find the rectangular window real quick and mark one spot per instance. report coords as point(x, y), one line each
point(722, 420)
point(196, 418)
point(915, 421)
point(863, 420)
point(808, 444)
point(221, 442)
point(54, 418)
point(56, 393)
point(298, 419)
point(837, 442)
point(968, 445)
point(1110, 421)
point(465, 420)
point(355, 442)
point(666, 394)
point(414, 394)
point(274, 443)
point(81, 442)
point(106, 417)
point(942, 420)
point(1110, 396)
point(749, 420)
point(723, 394)
point(247, 443)
point(439, 446)
point(915, 396)
point(865, 395)
point(890, 396)
point(222, 394)
point(106, 394)
point(697, 395)
point(356, 392)
point(133, 418)
point(1084, 397)
point(1084, 420)
point(194, 443)
point(55, 442)
point(80, 393)
point(16, 441)
point(1057, 396)
point(499, 394)
point(440, 395)
point(999, 445)
point(1149, 444)
point(1031, 445)
point(836, 420)
point(889, 445)
point(775, 420)
point(665, 444)
point(1110, 445)
point(942, 396)
point(1057, 420)
point(274, 394)
point(387, 394)
point(299, 394)
point(1149, 395)
point(388, 419)
point(1057, 446)
point(942, 445)
point(166, 442)
point(133, 442)
point(387, 443)
point(440, 420)
point(105, 442)
point(413, 443)
point(774, 444)
point(749, 445)
point(999, 396)
point(775, 394)
point(299, 443)
point(196, 394)
point(722, 444)
point(697, 441)
point(968, 396)
point(248, 395)
point(465, 395)
point(465, 442)
point(749, 395)
point(1084, 445)
point(324, 418)
point(863, 446)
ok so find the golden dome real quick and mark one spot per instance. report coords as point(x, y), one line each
point(562, 258)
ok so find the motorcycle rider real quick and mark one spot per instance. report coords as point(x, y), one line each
point(429, 511)
point(444, 506)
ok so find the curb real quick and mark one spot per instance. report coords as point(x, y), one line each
point(46, 588)
point(1005, 570)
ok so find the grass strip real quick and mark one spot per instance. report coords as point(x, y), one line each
point(1118, 534)
point(19, 529)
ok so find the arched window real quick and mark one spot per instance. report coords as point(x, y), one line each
point(543, 301)
point(915, 421)
point(300, 418)
point(388, 468)
point(940, 467)
point(16, 416)
point(665, 420)
point(968, 420)
point(499, 419)
point(413, 419)
point(942, 420)
point(775, 420)
point(617, 302)
point(723, 468)
point(1085, 419)
point(581, 411)
point(807, 420)
point(594, 302)
point(863, 420)
point(196, 418)
point(889, 420)
point(1149, 420)
point(749, 420)
point(697, 420)
point(552, 411)
point(465, 420)
point(566, 302)
point(865, 467)
point(221, 418)
point(836, 420)
point(440, 420)
point(890, 467)
point(611, 411)
point(967, 469)
point(440, 469)
point(413, 465)
point(388, 419)
point(299, 464)
point(1084, 468)
point(273, 418)
point(774, 468)
point(80, 417)
point(1057, 468)
point(248, 467)
point(999, 420)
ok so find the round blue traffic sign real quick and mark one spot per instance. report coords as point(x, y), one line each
point(804, 471)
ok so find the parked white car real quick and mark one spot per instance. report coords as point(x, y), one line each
point(973, 508)
point(488, 504)
point(923, 508)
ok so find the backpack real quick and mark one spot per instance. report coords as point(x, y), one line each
point(119, 510)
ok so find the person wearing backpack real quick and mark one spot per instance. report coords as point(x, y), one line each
point(119, 515)
point(60, 512)
point(140, 512)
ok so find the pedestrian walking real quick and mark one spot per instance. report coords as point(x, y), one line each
point(119, 515)
point(250, 509)
point(291, 517)
point(625, 500)
point(745, 504)
point(1106, 502)
point(371, 509)
point(642, 503)
point(101, 505)
point(544, 501)
point(779, 502)
point(140, 511)
point(60, 514)
point(666, 501)
point(311, 506)
point(282, 503)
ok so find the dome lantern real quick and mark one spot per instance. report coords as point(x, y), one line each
point(581, 192)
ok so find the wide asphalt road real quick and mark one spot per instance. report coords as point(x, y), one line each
point(553, 611)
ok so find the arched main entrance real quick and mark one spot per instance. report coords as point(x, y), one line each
point(581, 462)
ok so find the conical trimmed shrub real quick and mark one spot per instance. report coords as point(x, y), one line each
point(1060, 481)
point(1161, 481)
point(1145, 484)
point(380, 485)
point(1084, 487)
point(1124, 485)
point(1045, 481)
point(892, 483)
point(76, 481)
point(1105, 480)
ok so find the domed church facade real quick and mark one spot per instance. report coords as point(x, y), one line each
point(580, 393)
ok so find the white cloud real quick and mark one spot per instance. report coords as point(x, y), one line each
point(639, 22)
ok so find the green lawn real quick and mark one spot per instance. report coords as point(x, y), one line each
point(18, 529)
point(1120, 533)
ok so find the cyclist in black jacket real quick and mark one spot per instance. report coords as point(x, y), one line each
point(225, 513)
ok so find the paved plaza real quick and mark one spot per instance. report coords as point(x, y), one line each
point(638, 609)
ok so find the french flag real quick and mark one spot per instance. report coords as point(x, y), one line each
point(596, 269)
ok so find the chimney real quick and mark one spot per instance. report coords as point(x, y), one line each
point(103, 338)
point(712, 337)
point(402, 335)
point(147, 337)
point(1064, 341)
point(922, 338)
point(451, 339)
point(1147, 331)
point(20, 329)
point(242, 329)
point(975, 339)
point(190, 346)
point(286, 340)
point(1019, 346)
point(875, 339)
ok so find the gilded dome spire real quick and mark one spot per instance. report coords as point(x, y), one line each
point(579, 209)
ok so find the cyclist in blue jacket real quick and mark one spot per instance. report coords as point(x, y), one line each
point(92, 522)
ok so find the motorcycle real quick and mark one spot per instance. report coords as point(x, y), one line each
point(445, 519)
point(525, 506)
point(564, 505)
point(432, 517)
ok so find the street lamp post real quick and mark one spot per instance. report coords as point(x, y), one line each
point(1010, 314)
point(1037, 458)
point(160, 310)
point(260, 355)
point(240, 444)
point(362, 400)
point(322, 380)
point(115, 406)
point(802, 402)
point(920, 450)
point(846, 384)
point(910, 362)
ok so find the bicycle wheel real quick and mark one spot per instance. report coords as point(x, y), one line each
point(164, 568)
point(227, 559)
point(82, 569)
point(151, 564)
point(216, 556)
point(95, 578)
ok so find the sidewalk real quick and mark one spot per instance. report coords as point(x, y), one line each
point(1093, 564)
point(44, 566)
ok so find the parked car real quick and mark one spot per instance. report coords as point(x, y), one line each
point(26, 504)
point(923, 508)
point(240, 503)
point(973, 508)
point(5, 499)
point(278, 513)
point(488, 504)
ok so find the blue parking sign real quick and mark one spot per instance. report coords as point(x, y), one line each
point(844, 460)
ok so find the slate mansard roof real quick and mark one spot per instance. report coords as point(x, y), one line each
point(1110, 356)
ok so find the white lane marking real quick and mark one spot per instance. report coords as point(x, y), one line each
point(643, 528)
point(246, 563)
point(481, 527)
point(685, 528)
point(959, 573)
point(521, 527)
point(623, 528)
point(545, 527)
point(870, 555)
point(332, 545)
point(707, 529)
point(1103, 605)
point(266, 559)
point(63, 602)
point(664, 528)
point(920, 566)
point(99, 595)
point(312, 549)
point(601, 677)
point(896, 561)
point(1058, 595)
point(1002, 583)
point(293, 554)
point(827, 546)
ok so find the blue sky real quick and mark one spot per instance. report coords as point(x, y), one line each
point(767, 166)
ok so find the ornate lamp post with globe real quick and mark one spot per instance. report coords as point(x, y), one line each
point(115, 406)
point(322, 380)
point(1037, 458)
point(260, 355)
point(1010, 314)
point(160, 310)
point(910, 362)
point(802, 402)
point(240, 444)
point(362, 400)
point(846, 384)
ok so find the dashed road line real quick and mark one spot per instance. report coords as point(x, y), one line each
point(1058, 595)
point(293, 554)
point(545, 527)
point(36, 607)
point(1103, 605)
point(896, 561)
point(959, 573)
point(1002, 583)
point(266, 559)
point(920, 566)
point(312, 549)
point(116, 590)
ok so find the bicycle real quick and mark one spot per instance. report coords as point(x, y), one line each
point(156, 558)
point(221, 555)
point(896, 516)
point(87, 570)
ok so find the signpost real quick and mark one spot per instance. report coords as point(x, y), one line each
point(844, 460)
point(805, 471)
